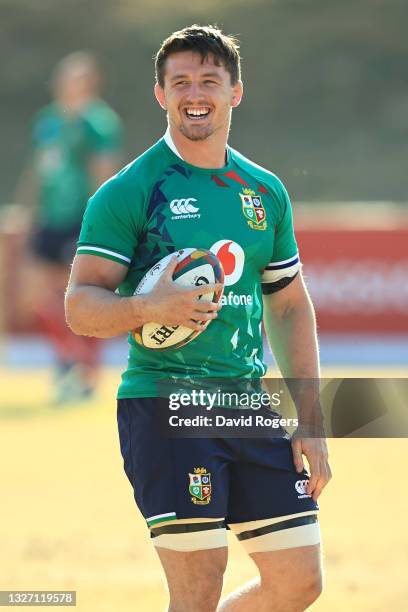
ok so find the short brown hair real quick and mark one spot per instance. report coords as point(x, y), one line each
point(205, 40)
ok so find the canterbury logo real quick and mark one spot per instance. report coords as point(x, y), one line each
point(183, 206)
point(301, 487)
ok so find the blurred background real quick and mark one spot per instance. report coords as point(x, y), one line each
point(326, 109)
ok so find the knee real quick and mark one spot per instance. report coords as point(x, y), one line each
point(311, 588)
point(209, 580)
point(297, 591)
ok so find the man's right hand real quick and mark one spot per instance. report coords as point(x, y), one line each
point(170, 304)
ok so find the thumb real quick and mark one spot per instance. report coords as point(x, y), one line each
point(297, 455)
point(169, 269)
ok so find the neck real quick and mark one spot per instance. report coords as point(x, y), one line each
point(73, 105)
point(208, 153)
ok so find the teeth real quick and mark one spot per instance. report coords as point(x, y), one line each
point(197, 112)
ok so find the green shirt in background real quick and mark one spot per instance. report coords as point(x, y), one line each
point(64, 146)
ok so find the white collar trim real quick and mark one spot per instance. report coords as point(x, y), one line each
point(170, 143)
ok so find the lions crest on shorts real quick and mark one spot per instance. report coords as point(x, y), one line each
point(253, 209)
point(200, 486)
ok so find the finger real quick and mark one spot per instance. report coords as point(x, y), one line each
point(169, 269)
point(318, 489)
point(203, 289)
point(204, 316)
point(321, 483)
point(207, 307)
point(297, 455)
point(319, 468)
point(196, 325)
point(314, 476)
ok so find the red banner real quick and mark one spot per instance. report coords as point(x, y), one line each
point(358, 279)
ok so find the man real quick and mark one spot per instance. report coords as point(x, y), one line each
point(76, 142)
point(243, 215)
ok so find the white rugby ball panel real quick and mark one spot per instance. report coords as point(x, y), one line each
point(156, 336)
point(195, 267)
point(151, 277)
point(198, 276)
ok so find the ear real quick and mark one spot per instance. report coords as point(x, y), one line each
point(160, 97)
point(237, 93)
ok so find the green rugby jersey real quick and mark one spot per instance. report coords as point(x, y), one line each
point(64, 146)
point(158, 204)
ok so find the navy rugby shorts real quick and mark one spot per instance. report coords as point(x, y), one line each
point(239, 479)
point(55, 245)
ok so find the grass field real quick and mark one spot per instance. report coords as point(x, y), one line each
point(68, 520)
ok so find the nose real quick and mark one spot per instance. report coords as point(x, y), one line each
point(195, 93)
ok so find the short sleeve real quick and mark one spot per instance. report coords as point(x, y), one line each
point(45, 127)
point(110, 227)
point(105, 130)
point(285, 263)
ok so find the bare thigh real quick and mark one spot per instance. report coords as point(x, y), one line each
point(291, 576)
point(194, 578)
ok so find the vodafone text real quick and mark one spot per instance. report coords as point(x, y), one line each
point(234, 299)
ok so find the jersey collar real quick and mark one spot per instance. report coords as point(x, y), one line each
point(170, 143)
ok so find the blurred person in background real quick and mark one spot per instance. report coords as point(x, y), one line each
point(76, 141)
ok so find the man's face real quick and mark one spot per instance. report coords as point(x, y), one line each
point(198, 96)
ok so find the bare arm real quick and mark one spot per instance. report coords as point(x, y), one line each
point(92, 307)
point(26, 192)
point(290, 326)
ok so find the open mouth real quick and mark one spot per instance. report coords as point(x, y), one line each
point(197, 114)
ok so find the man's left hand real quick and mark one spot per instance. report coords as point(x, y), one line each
point(316, 453)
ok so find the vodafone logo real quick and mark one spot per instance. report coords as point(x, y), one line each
point(232, 257)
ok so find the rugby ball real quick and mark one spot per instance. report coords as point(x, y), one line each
point(195, 267)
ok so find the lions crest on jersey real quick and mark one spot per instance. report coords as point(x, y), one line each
point(200, 486)
point(253, 209)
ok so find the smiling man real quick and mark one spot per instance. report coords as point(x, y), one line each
point(192, 189)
